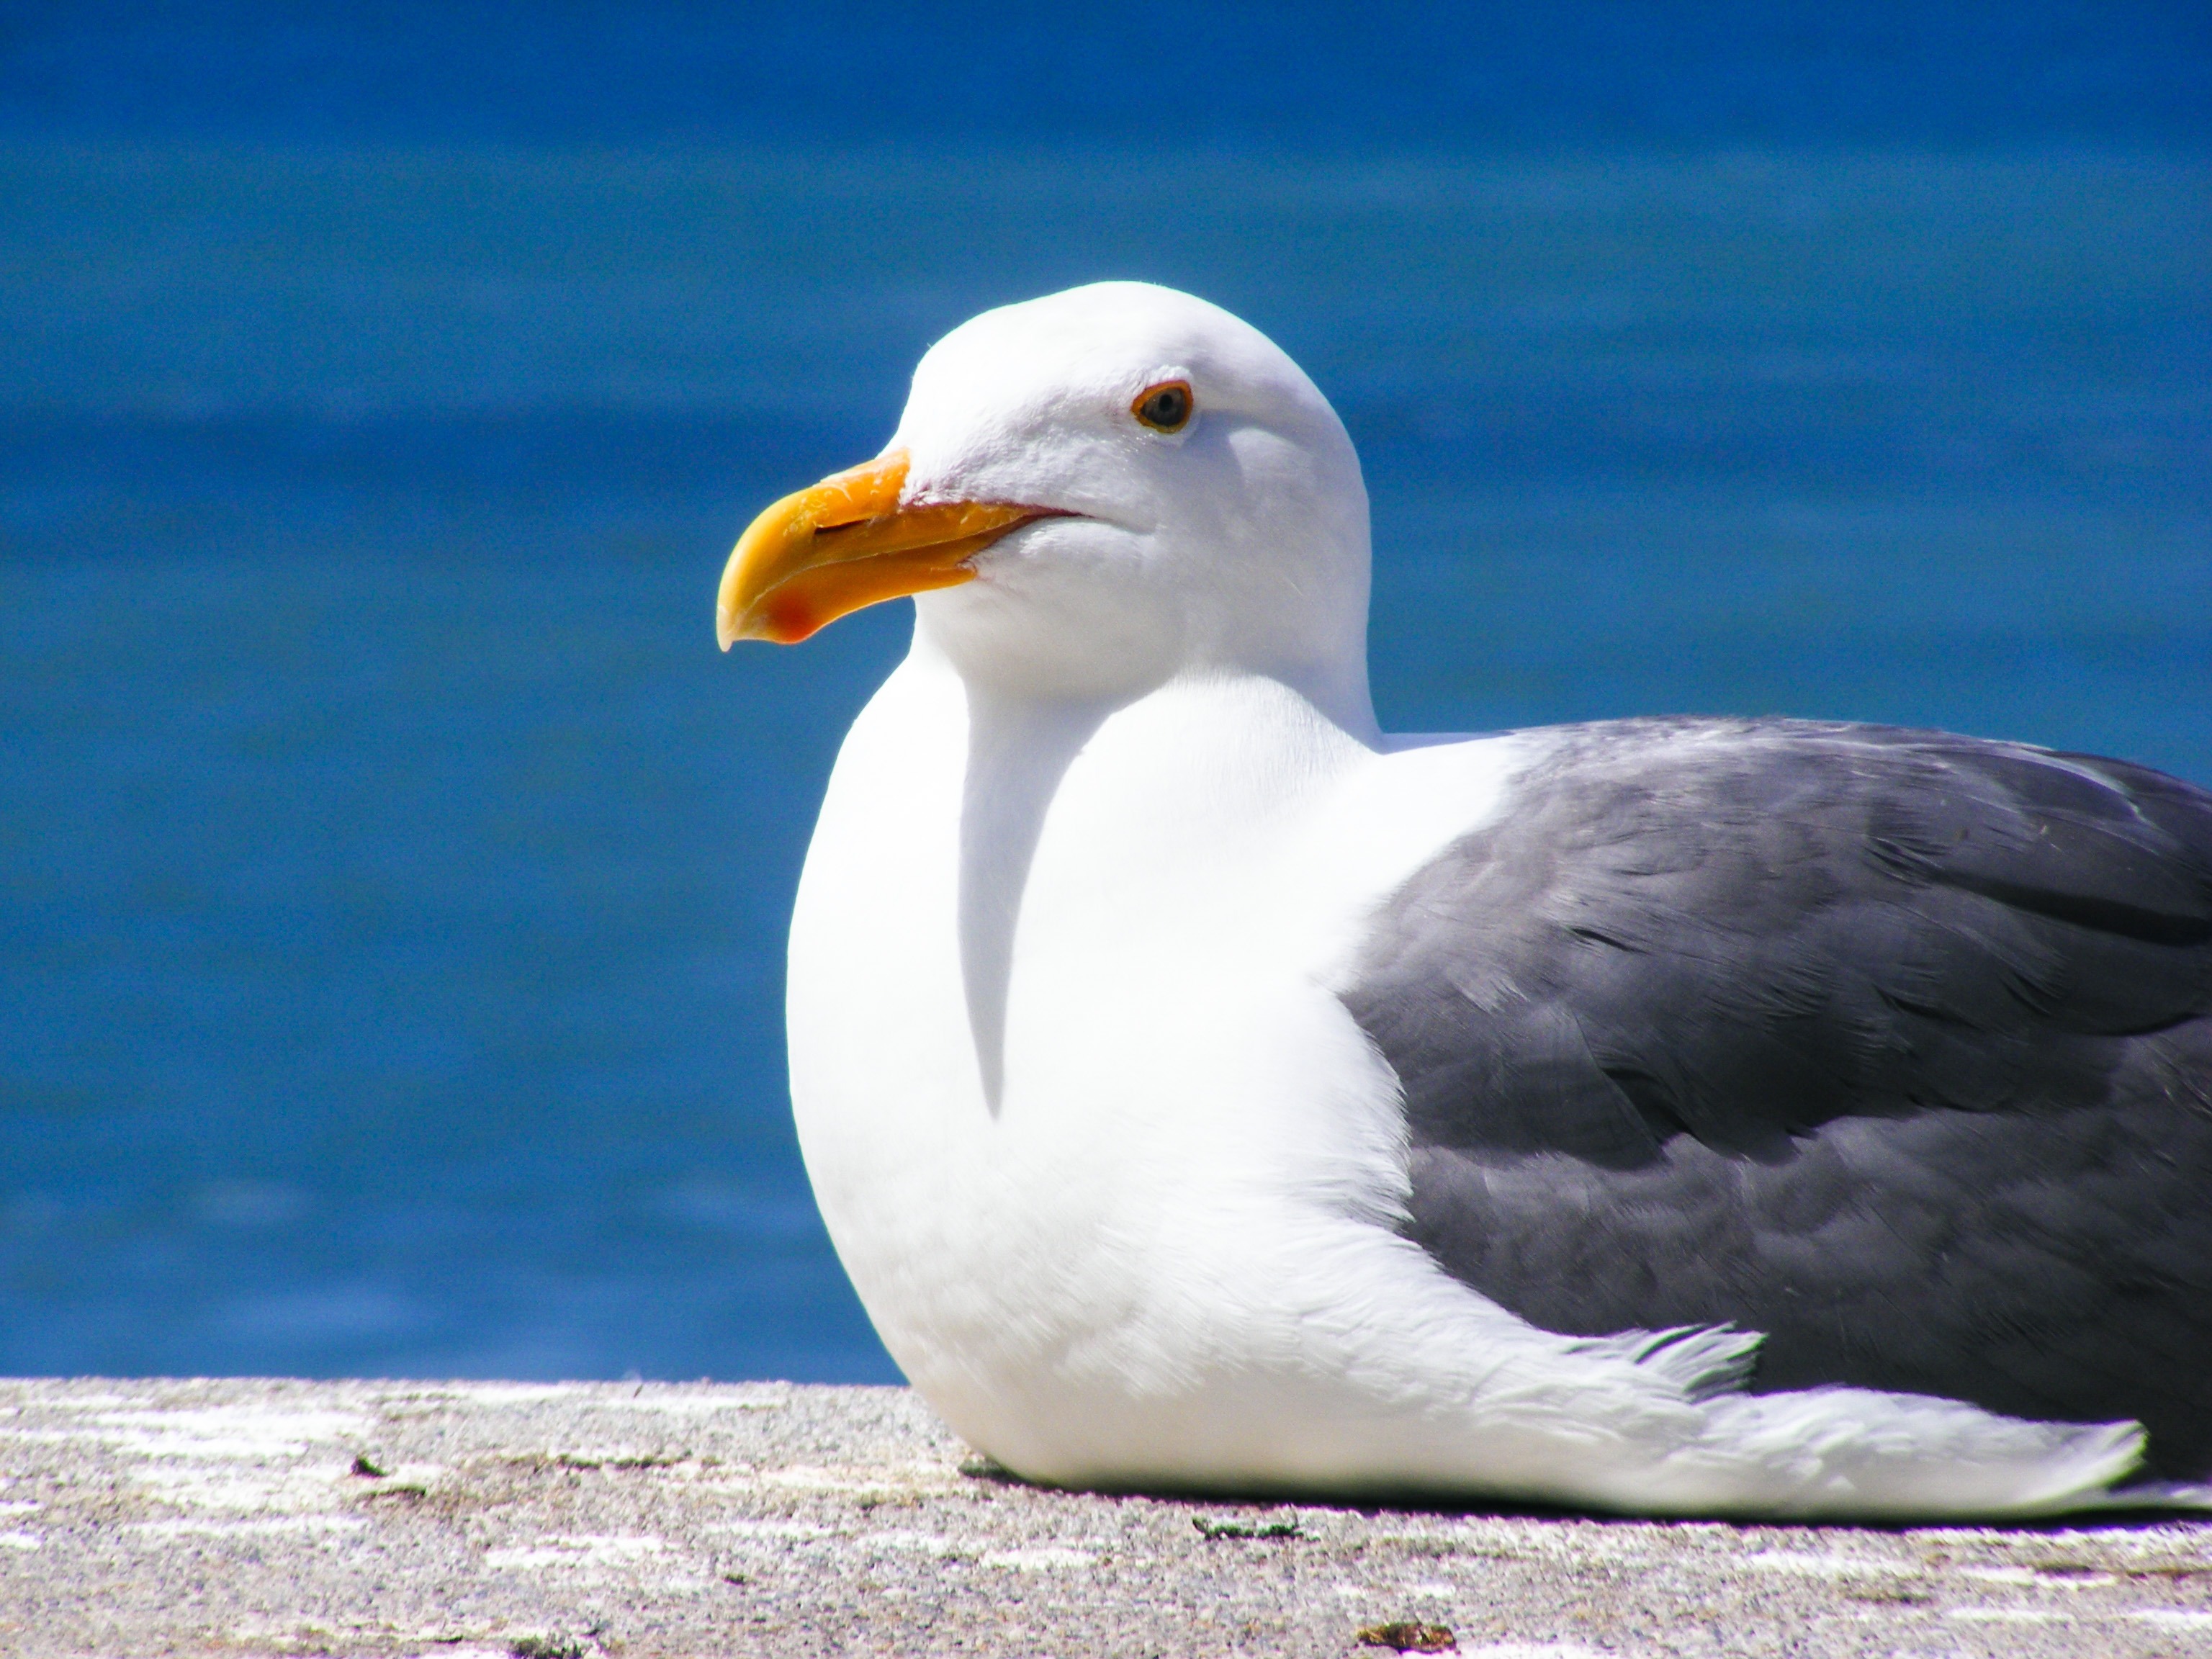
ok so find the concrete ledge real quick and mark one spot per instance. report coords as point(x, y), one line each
point(475, 1521)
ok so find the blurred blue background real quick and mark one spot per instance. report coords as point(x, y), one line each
point(392, 876)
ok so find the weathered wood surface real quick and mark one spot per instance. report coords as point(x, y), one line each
point(475, 1520)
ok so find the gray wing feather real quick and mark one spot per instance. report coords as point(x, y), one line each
point(1894, 1045)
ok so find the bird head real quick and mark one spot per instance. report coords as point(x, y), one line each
point(1088, 493)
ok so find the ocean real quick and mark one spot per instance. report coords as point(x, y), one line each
point(393, 876)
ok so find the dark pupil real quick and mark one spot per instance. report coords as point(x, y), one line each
point(1168, 407)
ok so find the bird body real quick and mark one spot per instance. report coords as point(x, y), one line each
point(1207, 1091)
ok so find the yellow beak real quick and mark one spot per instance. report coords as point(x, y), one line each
point(845, 542)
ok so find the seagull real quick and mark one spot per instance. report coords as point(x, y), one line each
point(1208, 1092)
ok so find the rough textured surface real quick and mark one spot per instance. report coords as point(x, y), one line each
point(486, 1519)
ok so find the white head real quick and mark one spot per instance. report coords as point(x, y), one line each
point(1092, 493)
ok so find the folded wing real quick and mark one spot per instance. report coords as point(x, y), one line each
point(1894, 1045)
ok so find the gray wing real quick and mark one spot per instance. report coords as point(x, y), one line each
point(1894, 1045)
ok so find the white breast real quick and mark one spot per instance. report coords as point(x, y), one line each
point(1085, 1120)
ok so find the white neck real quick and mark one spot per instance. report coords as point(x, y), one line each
point(1088, 808)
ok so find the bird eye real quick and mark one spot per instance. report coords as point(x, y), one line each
point(1166, 407)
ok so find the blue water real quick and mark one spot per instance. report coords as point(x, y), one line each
point(1163, 74)
point(392, 876)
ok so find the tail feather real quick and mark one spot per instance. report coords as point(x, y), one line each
point(1703, 1361)
point(1851, 1452)
point(1842, 1452)
point(2177, 1495)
